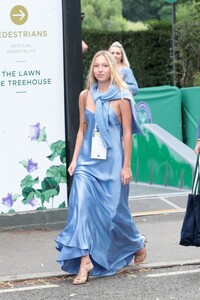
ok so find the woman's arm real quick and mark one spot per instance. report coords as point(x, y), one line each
point(197, 147)
point(84, 47)
point(80, 134)
point(129, 78)
point(126, 121)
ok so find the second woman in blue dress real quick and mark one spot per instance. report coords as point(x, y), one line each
point(117, 50)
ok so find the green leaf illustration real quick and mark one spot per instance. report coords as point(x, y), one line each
point(42, 136)
point(55, 175)
point(50, 188)
point(24, 163)
point(49, 183)
point(58, 173)
point(28, 194)
point(41, 208)
point(49, 194)
point(63, 156)
point(15, 197)
point(28, 181)
point(39, 195)
point(62, 205)
point(56, 149)
point(11, 211)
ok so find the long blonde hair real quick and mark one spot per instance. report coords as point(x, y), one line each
point(124, 61)
point(115, 77)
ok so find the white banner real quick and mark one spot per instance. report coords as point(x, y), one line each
point(32, 126)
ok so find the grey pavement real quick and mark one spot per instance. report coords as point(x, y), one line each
point(158, 213)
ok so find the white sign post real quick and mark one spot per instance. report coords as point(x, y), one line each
point(32, 124)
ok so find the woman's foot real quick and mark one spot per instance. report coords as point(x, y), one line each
point(84, 273)
point(140, 255)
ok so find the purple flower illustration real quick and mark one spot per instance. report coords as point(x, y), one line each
point(31, 166)
point(8, 201)
point(36, 191)
point(32, 202)
point(34, 131)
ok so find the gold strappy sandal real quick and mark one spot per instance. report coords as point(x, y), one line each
point(83, 279)
point(139, 258)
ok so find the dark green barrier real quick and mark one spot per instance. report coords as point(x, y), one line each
point(160, 158)
point(191, 113)
point(162, 106)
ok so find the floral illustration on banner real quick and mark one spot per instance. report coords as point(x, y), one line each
point(49, 186)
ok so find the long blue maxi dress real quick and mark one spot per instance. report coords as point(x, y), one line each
point(99, 222)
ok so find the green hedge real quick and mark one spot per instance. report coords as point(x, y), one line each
point(148, 53)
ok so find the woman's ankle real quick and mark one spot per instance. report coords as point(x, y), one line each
point(85, 260)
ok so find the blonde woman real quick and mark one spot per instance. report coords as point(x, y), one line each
point(100, 236)
point(117, 50)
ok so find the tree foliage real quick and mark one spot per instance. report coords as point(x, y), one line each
point(144, 10)
point(103, 15)
point(188, 45)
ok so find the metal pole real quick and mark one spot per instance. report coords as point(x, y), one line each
point(73, 73)
point(173, 43)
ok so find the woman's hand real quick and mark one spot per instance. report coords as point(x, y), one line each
point(197, 147)
point(126, 175)
point(72, 167)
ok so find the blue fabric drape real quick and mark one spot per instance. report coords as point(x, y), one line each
point(101, 100)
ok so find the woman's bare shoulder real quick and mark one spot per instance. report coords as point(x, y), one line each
point(83, 92)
